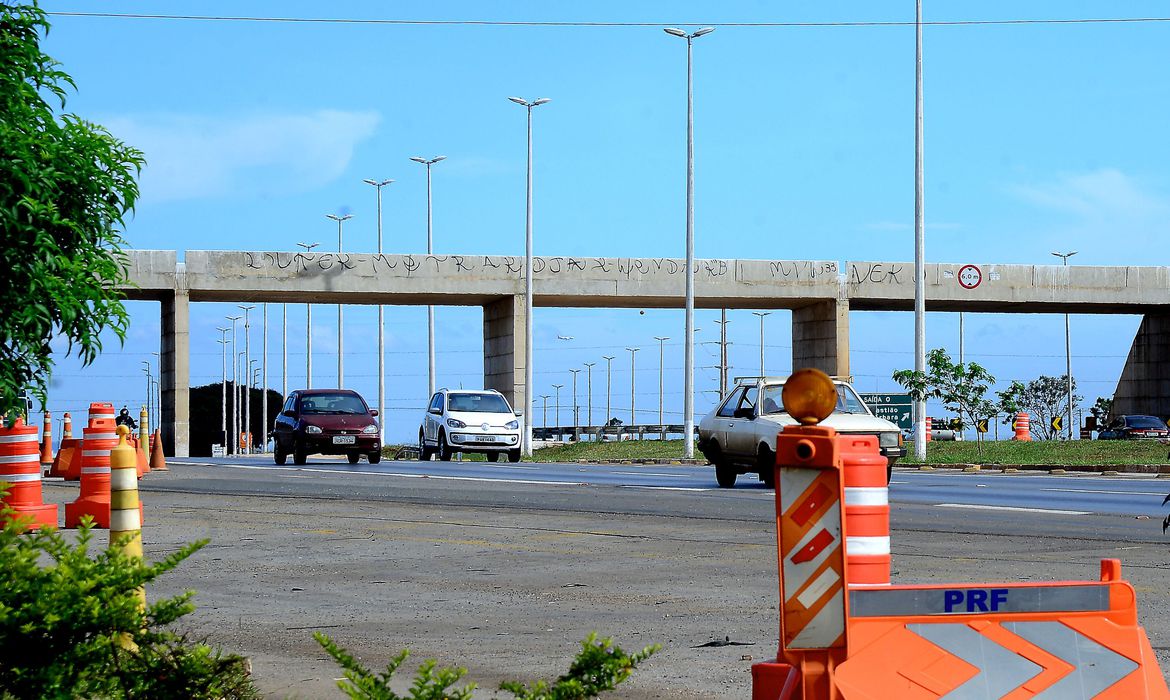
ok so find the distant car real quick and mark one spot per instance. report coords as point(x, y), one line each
point(739, 435)
point(328, 422)
point(469, 421)
point(1134, 428)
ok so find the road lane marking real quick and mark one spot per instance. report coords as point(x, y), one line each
point(1016, 509)
point(672, 476)
point(1124, 493)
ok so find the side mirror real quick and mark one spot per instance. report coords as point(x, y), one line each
point(436, 411)
point(518, 414)
point(289, 414)
point(374, 412)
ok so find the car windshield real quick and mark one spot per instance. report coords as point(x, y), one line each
point(1145, 422)
point(847, 401)
point(333, 404)
point(477, 403)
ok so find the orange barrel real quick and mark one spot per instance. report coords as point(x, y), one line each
point(47, 444)
point(867, 510)
point(1023, 427)
point(20, 467)
point(103, 413)
point(94, 500)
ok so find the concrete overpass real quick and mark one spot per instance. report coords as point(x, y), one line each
point(820, 294)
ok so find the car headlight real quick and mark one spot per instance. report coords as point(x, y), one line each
point(370, 429)
point(452, 423)
point(512, 425)
point(313, 429)
point(888, 439)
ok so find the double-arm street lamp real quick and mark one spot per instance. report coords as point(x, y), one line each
point(379, 184)
point(430, 307)
point(340, 339)
point(308, 329)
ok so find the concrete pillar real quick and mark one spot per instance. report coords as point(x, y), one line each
point(1144, 386)
point(175, 370)
point(820, 337)
point(503, 348)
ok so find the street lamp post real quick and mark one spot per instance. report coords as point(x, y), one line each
point(527, 447)
point(284, 351)
point(761, 314)
point(576, 413)
point(589, 394)
point(379, 184)
point(689, 344)
point(661, 339)
point(430, 308)
point(308, 329)
point(234, 446)
point(1068, 352)
point(223, 384)
point(557, 414)
point(248, 368)
point(633, 415)
point(608, 384)
point(264, 388)
point(149, 385)
point(157, 395)
point(919, 241)
point(545, 421)
point(340, 318)
point(722, 352)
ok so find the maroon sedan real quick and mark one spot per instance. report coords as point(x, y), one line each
point(327, 422)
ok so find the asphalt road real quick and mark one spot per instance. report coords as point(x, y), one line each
point(503, 568)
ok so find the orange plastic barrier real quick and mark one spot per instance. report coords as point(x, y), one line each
point(94, 500)
point(101, 413)
point(1022, 425)
point(1004, 640)
point(47, 444)
point(20, 467)
point(867, 510)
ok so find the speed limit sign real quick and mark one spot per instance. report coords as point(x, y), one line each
point(969, 277)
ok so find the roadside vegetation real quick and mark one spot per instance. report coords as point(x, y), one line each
point(1045, 452)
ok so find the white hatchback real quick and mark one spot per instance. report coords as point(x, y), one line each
point(469, 421)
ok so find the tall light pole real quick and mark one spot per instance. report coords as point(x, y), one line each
point(223, 384)
point(264, 388)
point(1068, 352)
point(761, 314)
point(284, 351)
point(430, 248)
point(661, 339)
point(919, 241)
point(557, 415)
point(235, 388)
point(340, 317)
point(633, 415)
point(545, 421)
point(379, 184)
point(589, 392)
point(576, 414)
point(527, 449)
point(689, 344)
point(722, 352)
point(308, 330)
point(608, 385)
point(149, 385)
point(247, 368)
point(157, 396)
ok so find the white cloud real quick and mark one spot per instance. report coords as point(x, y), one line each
point(1105, 194)
point(193, 157)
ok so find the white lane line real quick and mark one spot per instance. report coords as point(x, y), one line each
point(403, 475)
point(513, 466)
point(666, 488)
point(672, 476)
point(1124, 493)
point(1015, 509)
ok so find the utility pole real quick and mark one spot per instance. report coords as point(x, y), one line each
point(430, 248)
point(919, 241)
point(589, 391)
point(633, 415)
point(661, 384)
point(340, 312)
point(608, 384)
point(544, 423)
point(379, 184)
point(557, 417)
point(248, 368)
point(223, 385)
point(576, 414)
point(234, 449)
point(264, 388)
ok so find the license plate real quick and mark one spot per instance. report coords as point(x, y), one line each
point(344, 439)
point(485, 438)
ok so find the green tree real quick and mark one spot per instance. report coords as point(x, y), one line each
point(65, 187)
point(1044, 398)
point(961, 387)
point(1101, 409)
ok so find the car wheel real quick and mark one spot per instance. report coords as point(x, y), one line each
point(444, 448)
point(493, 456)
point(374, 457)
point(766, 466)
point(725, 474)
point(300, 456)
point(513, 455)
point(353, 457)
point(424, 452)
point(278, 455)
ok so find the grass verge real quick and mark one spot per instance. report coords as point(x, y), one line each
point(1045, 452)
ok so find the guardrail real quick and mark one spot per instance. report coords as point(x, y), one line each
point(560, 433)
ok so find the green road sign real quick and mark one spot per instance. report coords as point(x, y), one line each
point(896, 408)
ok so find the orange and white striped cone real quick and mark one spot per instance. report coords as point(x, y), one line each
point(67, 427)
point(47, 444)
point(125, 506)
point(867, 510)
point(94, 500)
point(142, 453)
point(1023, 427)
point(66, 451)
point(20, 468)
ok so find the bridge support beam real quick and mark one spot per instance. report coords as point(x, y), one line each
point(503, 349)
point(175, 370)
point(1144, 386)
point(820, 337)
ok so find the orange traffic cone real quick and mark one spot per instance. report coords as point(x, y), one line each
point(47, 444)
point(143, 440)
point(158, 460)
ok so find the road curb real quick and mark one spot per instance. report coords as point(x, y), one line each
point(1160, 470)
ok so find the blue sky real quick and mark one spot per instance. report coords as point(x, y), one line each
point(1038, 138)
